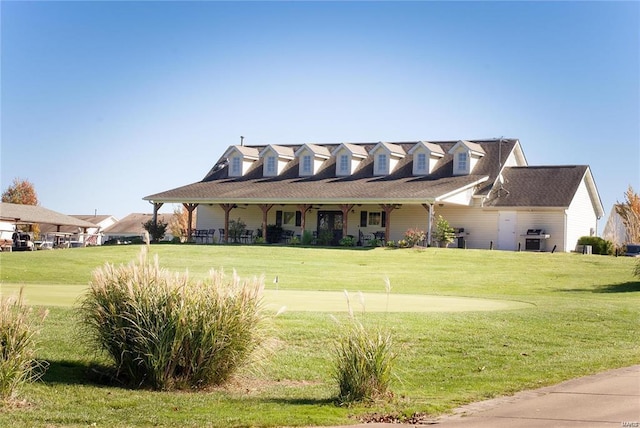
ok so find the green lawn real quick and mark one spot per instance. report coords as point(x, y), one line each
point(572, 315)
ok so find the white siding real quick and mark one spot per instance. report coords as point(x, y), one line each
point(480, 226)
point(550, 220)
point(581, 218)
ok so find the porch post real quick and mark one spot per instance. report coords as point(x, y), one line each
point(345, 208)
point(189, 208)
point(156, 208)
point(429, 207)
point(303, 208)
point(265, 209)
point(387, 208)
point(227, 208)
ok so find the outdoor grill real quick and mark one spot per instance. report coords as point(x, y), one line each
point(460, 237)
point(535, 240)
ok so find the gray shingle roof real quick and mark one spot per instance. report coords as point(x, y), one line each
point(538, 186)
point(132, 224)
point(37, 214)
point(362, 186)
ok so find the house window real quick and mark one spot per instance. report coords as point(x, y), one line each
point(382, 163)
point(462, 161)
point(289, 217)
point(235, 165)
point(306, 164)
point(344, 163)
point(271, 165)
point(375, 218)
point(422, 162)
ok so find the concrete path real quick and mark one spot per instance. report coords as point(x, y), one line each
point(608, 399)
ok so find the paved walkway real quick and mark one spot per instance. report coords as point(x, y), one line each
point(608, 399)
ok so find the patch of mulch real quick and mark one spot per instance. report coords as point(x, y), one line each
point(394, 418)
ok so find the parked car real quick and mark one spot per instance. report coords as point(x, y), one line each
point(22, 242)
point(633, 250)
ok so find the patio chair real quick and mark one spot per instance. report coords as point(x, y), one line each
point(211, 235)
point(221, 235)
point(247, 237)
point(380, 235)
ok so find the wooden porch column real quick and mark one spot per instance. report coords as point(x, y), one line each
point(265, 209)
point(156, 207)
point(303, 208)
point(429, 208)
point(227, 209)
point(345, 208)
point(387, 208)
point(189, 208)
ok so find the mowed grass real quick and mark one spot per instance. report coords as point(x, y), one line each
point(581, 315)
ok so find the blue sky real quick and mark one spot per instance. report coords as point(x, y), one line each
point(104, 103)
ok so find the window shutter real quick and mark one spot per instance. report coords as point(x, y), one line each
point(279, 218)
point(363, 219)
point(298, 218)
point(384, 219)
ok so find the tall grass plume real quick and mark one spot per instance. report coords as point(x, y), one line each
point(166, 331)
point(18, 329)
point(363, 360)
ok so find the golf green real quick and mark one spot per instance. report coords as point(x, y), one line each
point(299, 300)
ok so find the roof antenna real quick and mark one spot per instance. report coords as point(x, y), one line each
point(241, 140)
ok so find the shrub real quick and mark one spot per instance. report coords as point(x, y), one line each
point(307, 237)
point(18, 328)
point(348, 241)
point(598, 245)
point(236, 229)
point(325, 236)
point(445, 234)
point(402, 243)
point(156, 230)
point(363, 360)
point(414, 237)
point(165, 331)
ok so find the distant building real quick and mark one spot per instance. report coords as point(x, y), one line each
point(615, 230)
point(132, 227)
point(92, 236)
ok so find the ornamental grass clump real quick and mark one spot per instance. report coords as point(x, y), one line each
point(18, 328)
point(165, 331)
point(363, 361)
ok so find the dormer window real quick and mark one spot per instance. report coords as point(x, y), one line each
point(466, 155)
point(310, 158)
point(421, 166)
point(348, 157)
point(271, 165)
point(382, 165)
point(462, 161)
point(236, 166)
point(386, 157)
point(306, 164)
point(275, 159)
point(344, 164)
point(241, 158)
point(425, 157)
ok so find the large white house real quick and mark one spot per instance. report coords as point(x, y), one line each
point(484, 188)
